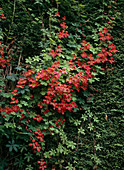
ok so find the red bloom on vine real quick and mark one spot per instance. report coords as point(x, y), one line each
point(108, 37)
point(35, 145)
point(113, 48)
point(2, 16)
point(74, 56)
point(29, 72)
point(91, 62)
point(21, 86)
point(33, 83)
point(109, 53)
point(40, 104)
point(105, 30)
point(97, 60)
point(38, 118)
point(90, 57)
point(85, 45)
point(63, 34)
point(21, 81)
point(103, 38)
point(15, 93)
point(22, 117)
point(84, 55)
point(111, 60)
point(59, 49)
point(14, 101)
point(57, 14)
point(64, 18)
point(56, 64)
point(53, 53)
point(101, 34)
point(42, 164)
point(63, 25)
point(66, 34)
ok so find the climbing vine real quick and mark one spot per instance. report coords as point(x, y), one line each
point(50, 64)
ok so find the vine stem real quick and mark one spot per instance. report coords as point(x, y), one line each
point(78, 139)
point(103, 5)
point(27, 11)
point(94, 142)
point(14, 5)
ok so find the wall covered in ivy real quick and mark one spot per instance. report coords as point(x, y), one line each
point(61, 84)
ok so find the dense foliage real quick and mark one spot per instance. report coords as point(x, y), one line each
point(61, 84)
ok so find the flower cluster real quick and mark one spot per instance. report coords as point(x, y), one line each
point(3, 61)
point(36, 145)
point(104, 36)
point(63, 25)
point(39, 135)
point(104, 51)
point(55, 53)
point(14, 100)
point(1, 14)
point(42, 164)
point(59, 122)
point(85, 45)
point(11, 110)
point(27, 79)
point(64, 102)
point(38, 118)
point(63, 34)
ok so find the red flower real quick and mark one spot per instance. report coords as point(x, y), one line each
point(59, 49)
point(21, 86)
point(53, 53)
point(90, 57)
point(105, 31)
point(57, 14)
point(63, 25)
point(84, 55)
point(108, 37)
point(22, 117)
point(38, 118)
point(91, 62)
point(85, 45)
point(64, 18)
point(21, 81)
point(42, 164)
point(14, 101)
point(35, 145)
point(63, 34)
point(15, 93)
point(2, 16)
point(66, 34)
point(111, 60)
point(29, 72)
point(33, 84)
point(103, 69)
point(74, 57)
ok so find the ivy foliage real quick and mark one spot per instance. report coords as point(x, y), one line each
point(109, 105)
